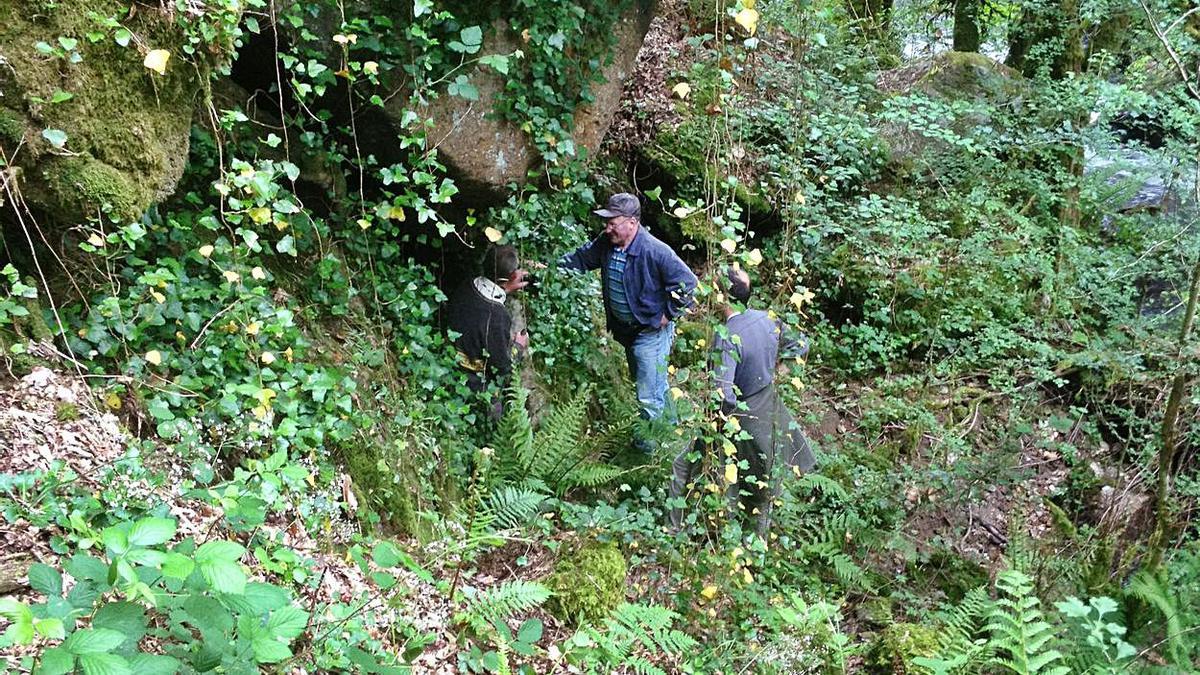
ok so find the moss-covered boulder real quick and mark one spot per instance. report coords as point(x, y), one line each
point(588, 584)
point(88, 125)
point(955, 75)
point(897, 645)
point(978, 82)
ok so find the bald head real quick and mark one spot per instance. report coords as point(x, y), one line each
point(738, 284)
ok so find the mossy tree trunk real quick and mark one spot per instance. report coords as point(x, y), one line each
point(966, 25)
point(874, 22)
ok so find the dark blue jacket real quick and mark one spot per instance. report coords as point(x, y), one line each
point(656, 281)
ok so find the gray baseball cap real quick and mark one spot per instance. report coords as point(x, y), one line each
point(621, 204)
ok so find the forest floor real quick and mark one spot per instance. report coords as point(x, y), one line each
point(50, 420)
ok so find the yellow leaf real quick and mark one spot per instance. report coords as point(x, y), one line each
point(709, 592)
point(801, 297)
point(113, 401)
point(747, 577)
point(252, 328)
point(371, 68)
point(267, 358)
point(158, 297)
point(363, 223)
point(281, 224)
point(676, 393)
point(748, 19)
point(682, 90)
point(206, 250)
point(95, 240)
point(799, 198)
point(797, 383)
point(396, 213)
point(493, 235)
point(682, 212)
point(258, 273)
point(345, 39)
point(260, 215)
point(729, 245)
point(232, 277)
point(731, 473)
point(265, 396)
point(154, 357)
point(755, 258)
point(259, 411)
point(288, 353)
point(156, 60)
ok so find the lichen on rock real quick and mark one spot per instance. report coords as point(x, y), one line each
point(589, 583)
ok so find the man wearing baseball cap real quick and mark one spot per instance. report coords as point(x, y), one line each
point(645, 287)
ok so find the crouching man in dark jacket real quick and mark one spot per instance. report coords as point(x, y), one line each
point(478, 314)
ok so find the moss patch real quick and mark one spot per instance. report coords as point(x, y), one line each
point(588, 584)
point(897, 646)
point(12, 128)
point(382, 488)
point(84, 184)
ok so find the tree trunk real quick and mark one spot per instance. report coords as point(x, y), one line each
point(873, 21)
point(966, 25)
point(1047, 37)
point(1169, 436)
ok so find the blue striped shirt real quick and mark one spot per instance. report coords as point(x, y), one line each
point(617, 302)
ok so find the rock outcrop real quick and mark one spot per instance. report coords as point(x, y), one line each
point(486, 152)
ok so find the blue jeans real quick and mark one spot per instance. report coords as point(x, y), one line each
point(647, 352)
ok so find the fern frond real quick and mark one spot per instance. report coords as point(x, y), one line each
point(514, 444)
point(1019, 629)
point(828, 486)
point(509, 507)
point(501, 602)
point(590, 475)
point(1155, 591)
point(642, 666)
point(556, 448)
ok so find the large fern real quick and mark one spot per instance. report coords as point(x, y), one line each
point(559, 456)
point(514, 442)
point(1023, 640)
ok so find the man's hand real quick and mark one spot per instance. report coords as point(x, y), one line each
point(517, 282)
point(663, 323)
point(522, 339)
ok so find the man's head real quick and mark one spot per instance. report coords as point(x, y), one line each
point(622, 215)
point(500, 263)
point(737, 284)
